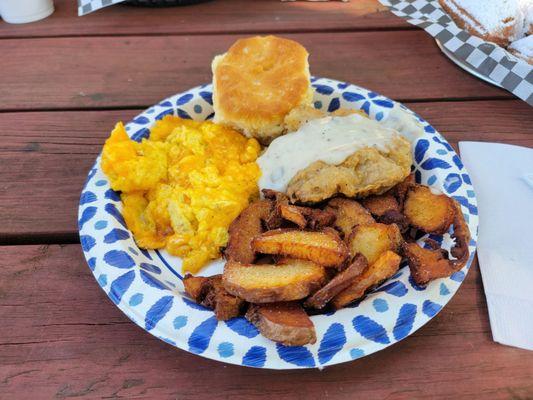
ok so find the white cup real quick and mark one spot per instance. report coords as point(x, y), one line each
point(22, 11)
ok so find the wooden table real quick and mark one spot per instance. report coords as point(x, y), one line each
point(66, 80)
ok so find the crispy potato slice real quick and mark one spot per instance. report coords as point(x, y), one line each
point(339, 282)
point(384, 267)
point(293, 214)
point(225, 305)
point(317, 218)
point(374, 239)
point(426, 265)
point(348, 214)
point(395, 217)
point(196, 286)
point(429, 264)
point(324, 248)
point(275, 220)
point(244, 228)
point(313, 218)
point(288, 280)
point(400, 190)
point(461, 234)
point(386, 209)
point(429, 212)
point(286, 323)
point(379, 205)
point(209, 292)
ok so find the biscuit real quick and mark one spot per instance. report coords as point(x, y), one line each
point(258, 82)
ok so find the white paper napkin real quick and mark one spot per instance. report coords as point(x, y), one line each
point(502, 176)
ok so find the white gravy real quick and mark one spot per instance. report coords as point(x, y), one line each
point(329, 139)
point(403, 122)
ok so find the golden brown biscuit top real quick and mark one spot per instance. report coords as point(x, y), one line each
point(261, 78)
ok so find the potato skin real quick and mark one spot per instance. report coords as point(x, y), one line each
point(244, 228)
point(429, 212)
point(339, 282)
point(209, 292)
point(425, 264)
point(238, 281)
point(386, 265)
point(286, 323)
point(196, 286)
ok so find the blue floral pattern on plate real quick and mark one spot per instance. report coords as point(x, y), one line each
point(147, 287)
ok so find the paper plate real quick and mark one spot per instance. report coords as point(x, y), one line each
point(147, 287)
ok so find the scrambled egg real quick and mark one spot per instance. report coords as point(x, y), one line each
point(182, 187)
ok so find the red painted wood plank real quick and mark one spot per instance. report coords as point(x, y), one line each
point(62, 337)
point(218, 16)
point(50, 153)
point(102, 72)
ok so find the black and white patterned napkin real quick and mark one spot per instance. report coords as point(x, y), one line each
point(88, 6)
point(487, 59)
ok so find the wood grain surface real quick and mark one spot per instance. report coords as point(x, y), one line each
point(138, 71)
point(50, 153)
point(62, 338)
point(219, 16)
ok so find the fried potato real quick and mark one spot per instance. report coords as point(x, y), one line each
point(429, 212)
point(386, 209)
point(324, 248)
point(379, 205)
point(374, 239)
point(196, 286)
point(244, 228)
point(384, 267)
point(275, 195)
point(275, 220)
point(426, 265)
point(313, 218)
point(288, 280)
point(348, 214)
point(339, 282)
point(286, 323)
point(209, 292)
point(293, 214)
point(395, 217)
point(429, 264)
point(461, 234)
point(400, 190)
point(317, 218)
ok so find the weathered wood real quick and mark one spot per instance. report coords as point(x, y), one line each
point(50, 153)
point(62, 337)
point(214, 17)
point(103, 72)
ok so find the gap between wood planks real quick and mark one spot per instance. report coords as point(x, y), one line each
point(142, 107)
point(220, 32)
